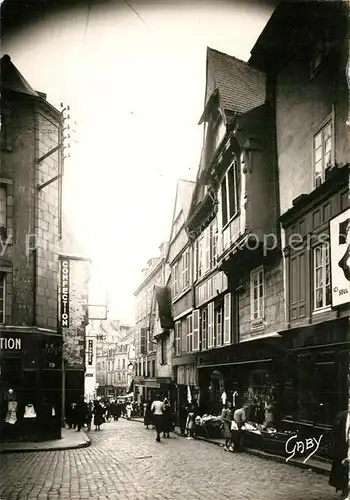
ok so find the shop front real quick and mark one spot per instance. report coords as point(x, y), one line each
point(186, 382)
point(316, 380)
point(31, 385)
point(249, 374)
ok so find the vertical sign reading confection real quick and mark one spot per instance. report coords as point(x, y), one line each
point(65, 293)
point(340, 258)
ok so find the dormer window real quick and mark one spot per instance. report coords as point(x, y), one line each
point(229, 194)
point(215, 132)
point(323, 152)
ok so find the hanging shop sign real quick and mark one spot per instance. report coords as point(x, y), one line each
point(65, 293)
point(339, 230)
point(90, 352)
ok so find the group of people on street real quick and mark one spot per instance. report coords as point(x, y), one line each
point(80, 414)
point(233, 421)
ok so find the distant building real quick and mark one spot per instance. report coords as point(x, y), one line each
point(113, 345)
point(75, 271)
point(154, 275)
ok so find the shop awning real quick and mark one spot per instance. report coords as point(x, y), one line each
point(234, 363)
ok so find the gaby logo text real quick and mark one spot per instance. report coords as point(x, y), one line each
point(307, 446)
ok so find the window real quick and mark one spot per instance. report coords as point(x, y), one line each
point(323, 153)
point(210, 325)
point(185, 270)
point(164, 359)
point(213, 243)
point(118, 363)
point(227, 318)
point(2, 297)
point(322, 278)
point(207, 243)
point(175, 279)
point(204, 329)
point(123, 363)
point(3, 211)
point(195, 324)
point(177, 337)
point(200, 256)
point(153, 369)
point(189, 333)
point(183, 341)
point(229, 202)
point(218, 326)
point(257, 293)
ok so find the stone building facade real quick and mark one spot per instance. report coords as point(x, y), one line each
point(30, 213)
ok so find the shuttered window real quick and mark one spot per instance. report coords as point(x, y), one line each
point(204, 330)
point(195, 324)
point(189, 333)
point(227, 318)
point(210, 325)
point(218, 326)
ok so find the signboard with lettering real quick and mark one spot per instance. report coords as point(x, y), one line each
point(339, 229)
point(10, 344)
point(64, 313)
point(90, 352)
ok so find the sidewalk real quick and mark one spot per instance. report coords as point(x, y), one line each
point(71, 439)
point(319, 466)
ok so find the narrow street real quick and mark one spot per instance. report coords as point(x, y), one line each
point(125, 462)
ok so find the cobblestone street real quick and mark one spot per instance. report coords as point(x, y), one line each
point(125, 462)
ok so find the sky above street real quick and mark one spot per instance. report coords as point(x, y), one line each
point(135, 84)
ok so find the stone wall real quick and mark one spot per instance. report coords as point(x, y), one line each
point(47, 223)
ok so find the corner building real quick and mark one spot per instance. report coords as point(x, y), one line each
point(30, 227)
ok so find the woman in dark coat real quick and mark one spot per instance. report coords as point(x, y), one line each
point(147, 417)
point(98, 415)
point(339, 477)
point(167, 418)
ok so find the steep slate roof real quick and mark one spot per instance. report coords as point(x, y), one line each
point(12, 79)
point(240, 87)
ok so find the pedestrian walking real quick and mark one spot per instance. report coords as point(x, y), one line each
point(128, 410)
point(339, 476)
point(190, 423)
point(157, 411)
point(182, 419)
point(227, 418)
point(118, 411)
point(147, 416)
point(80, 413)
point(167, 418)
point(98, 416)
point(89, 415)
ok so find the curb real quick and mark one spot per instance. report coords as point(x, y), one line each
point(262, 454)
point(86, 444)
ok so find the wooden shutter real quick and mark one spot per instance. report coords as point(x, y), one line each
point(227, 318)
point(210, 324)
point(298, 284)
point(207, 249)
point(143, 341)
point(204, 329)
point(195, 325)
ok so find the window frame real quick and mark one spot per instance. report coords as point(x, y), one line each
point(177, 338)
point(323, 267)
point(189, 321)
point(200, 256)
point(320, 130)
point(226, 200)
point(227, 319)
point(218, 329)
point(204, 330)
point(261, 311)
point(185, 270)
point(176, 279)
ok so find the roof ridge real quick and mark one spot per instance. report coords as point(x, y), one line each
point(226, 54)
point(251, 68)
